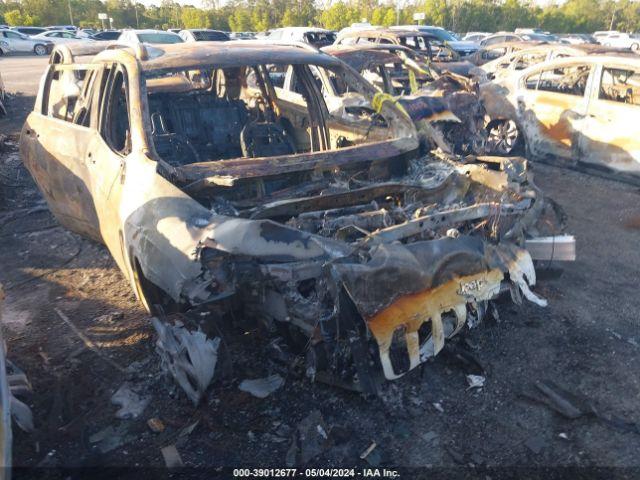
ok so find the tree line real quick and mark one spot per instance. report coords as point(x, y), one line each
point(575, 16)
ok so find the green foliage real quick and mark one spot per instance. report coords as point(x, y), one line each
point(195, 18)
point(261, 15)
point(339, 15)
point(240, 20)
point(13, 17)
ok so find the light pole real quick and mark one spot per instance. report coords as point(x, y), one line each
point(613, 17)
point(70, 12)
point(135, 6)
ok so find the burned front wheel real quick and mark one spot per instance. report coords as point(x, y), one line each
point(504, 137)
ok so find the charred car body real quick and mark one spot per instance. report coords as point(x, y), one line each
point(519, 60)
point(574, 111)
point(211, 191)
point(493, 52)
point(445, 107)
point(433, 50)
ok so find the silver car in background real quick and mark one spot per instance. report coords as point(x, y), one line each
point(16, 42)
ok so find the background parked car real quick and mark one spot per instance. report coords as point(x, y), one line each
point(462, 48)
point(59, 36)
point(203, 35)
point(449, 105)
point(29, 30)
point(502, 37)
point(600, 35)
point(318, 37)
point(577, 109)
point(578, 38)
point(242, 35)
point(71, 28)
point(521, 59)
point(134, 37)
point(475, 37)
point(17, 42)
point(106, 35)
point(622, 40)
point(492, 52)
point(86, 32)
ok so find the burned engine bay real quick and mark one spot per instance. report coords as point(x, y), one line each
point(371, 265)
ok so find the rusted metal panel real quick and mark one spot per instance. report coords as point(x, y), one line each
point(227, 172)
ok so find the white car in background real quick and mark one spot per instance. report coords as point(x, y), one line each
point(622, 40)
point(60, 36)
point(30, 31)
point(16, 42)
point(602, 34)
point(475, 37)
point(135, 37)
point(203, 35)
point(86, 32)
point(318, 37)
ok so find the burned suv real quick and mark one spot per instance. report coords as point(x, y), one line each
point(215, 192)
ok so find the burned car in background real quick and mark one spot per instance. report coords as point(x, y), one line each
point(445, 107)
point(521, 59)
point(575, 111)
point(490, 53)
point(433, 50)
point(215, 193)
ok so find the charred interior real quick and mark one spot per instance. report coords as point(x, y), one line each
point(211, 114)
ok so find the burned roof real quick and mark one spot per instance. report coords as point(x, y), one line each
point(516, 45)
point(594, 49)
point(221, 55)
point(361, 57)
point(632, 60)
point(337, 50)
point(229, 54)
point(69, 52)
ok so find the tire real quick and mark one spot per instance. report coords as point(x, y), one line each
point(40, 50)
point(504, 138)
point(634, 47)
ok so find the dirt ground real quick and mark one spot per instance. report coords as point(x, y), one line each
point(587, 341)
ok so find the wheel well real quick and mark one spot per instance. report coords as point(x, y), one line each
point(152, 297)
